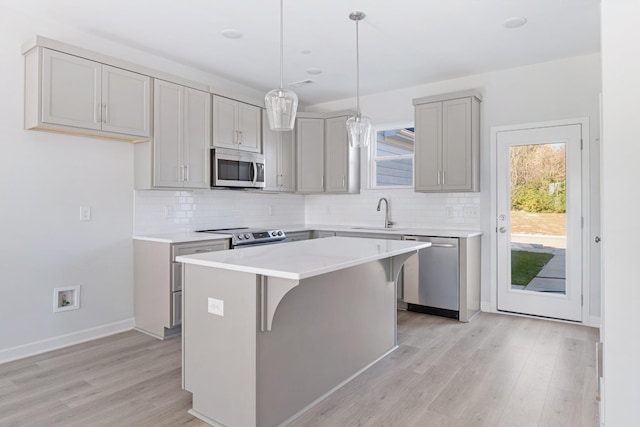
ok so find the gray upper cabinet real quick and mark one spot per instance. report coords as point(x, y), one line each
point(236, 125)
point(326, 163)
point(310, 155)
point(447, 148)
point(279, 159)
point(179, 152)
point(72, 94)
point(341, 161)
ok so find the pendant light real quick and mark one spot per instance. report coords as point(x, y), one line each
point(281, 103)
point(359, 126)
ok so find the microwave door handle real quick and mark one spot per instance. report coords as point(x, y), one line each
point(255, 172)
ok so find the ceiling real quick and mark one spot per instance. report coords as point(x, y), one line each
point(403, 43)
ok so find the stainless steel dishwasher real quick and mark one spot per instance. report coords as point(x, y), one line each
point(431, 279)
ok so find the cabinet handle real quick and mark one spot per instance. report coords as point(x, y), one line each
point(438, 177)
point(322, 181)
point(187, 169)
point(181, 173)
point(443, 177)
point(343, 180)
point(97, 113)
point(105, 117)
point(239, 137)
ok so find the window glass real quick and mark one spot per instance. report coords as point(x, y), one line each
point(393, 159)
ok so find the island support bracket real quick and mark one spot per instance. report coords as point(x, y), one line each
point(272, 291)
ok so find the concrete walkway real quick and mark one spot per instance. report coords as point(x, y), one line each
point(552, 277)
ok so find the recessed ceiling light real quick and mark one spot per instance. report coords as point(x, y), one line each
point(301, 83)
point(232, 34)
point(305, 52)
point(514, 22)
point(314, 71)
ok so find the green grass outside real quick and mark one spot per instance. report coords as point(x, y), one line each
point(526, 265)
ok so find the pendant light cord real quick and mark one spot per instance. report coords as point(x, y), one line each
point(357, 70)
point(281, 42)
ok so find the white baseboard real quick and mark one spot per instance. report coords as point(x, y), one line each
point(594, 322)
point(61, 341)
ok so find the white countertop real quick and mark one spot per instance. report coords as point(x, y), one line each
point(186, 236)
point(303, 259)
point(192, 236)
point(402, 231)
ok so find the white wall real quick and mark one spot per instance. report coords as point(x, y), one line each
point(562, 89)
point(44, 178)
point(621, 204)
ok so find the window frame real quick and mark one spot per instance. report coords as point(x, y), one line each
point(373, 159)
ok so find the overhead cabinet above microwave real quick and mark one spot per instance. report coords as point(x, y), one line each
point(236, 125)
point(72, 94)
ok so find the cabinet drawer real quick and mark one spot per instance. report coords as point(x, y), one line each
point(196, 248)
point(176, 308)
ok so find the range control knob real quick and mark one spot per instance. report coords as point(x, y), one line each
point(246, 236)
point(279, 233)
point(240, 237)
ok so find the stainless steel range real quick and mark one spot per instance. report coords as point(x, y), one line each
point(243, 237)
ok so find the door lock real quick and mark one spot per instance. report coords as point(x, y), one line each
point(503, 229)
point(597, 239)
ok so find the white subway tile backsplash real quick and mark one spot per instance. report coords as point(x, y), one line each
point(200, 209)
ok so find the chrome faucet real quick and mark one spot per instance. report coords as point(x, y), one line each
point(387, 222)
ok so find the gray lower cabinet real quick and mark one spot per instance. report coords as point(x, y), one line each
point(298, 235)
point(319, 234)
point(158, 283)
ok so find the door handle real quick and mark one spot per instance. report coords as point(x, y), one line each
point(255, 172)
point(503, 229)
point(443, 245)
point(413, 239)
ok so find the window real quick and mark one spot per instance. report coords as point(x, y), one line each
point(393, 158)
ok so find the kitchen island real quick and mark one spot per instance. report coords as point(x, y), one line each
point(269, 331)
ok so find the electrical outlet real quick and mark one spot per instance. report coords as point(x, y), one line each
point(168, 211)
point(85, 213)
point(215, 306)
point(471, 211)
point(449, 211)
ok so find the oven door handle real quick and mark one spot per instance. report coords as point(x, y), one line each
point(255, 172)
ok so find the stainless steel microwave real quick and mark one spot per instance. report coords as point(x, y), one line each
point(240, 169)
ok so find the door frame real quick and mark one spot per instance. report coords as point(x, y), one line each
point(585, 205)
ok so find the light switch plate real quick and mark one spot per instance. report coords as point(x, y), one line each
point(216, 306)
point(85, 213)
point(471, 211)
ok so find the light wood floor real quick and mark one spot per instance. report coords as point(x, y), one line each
point(495, 371)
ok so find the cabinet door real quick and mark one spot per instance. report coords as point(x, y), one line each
point(126, 102)
point(310, 154)
point(456, 145)
point(71, 90)
point(271, 141)
point(167, 140)
point(196, 137)
point(428, 165)
point(287, 163)
point(336, 155)
point(249, 128)
point(224, 122)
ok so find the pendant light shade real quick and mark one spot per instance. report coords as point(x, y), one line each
point(281, 109)
point(359, 126)
point(281, 104)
